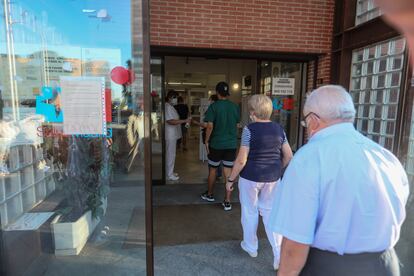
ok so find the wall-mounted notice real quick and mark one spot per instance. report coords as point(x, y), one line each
point(83, 102)
point(283, 86)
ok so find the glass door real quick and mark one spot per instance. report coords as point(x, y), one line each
point(284, 83)
point(157, 121)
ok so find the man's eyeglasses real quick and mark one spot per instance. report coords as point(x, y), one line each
point(303, 122)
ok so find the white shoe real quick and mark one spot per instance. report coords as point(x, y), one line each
point(173, 178)
point(175, 174)
point(252, 254)
point(276, 263)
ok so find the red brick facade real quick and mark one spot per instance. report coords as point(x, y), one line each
point(261, 25)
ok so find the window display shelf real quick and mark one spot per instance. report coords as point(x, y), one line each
point(26, 184)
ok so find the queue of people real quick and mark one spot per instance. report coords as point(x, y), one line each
point(338, 208)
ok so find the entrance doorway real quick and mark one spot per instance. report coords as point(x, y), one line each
point(195, 78)
point(182, 221)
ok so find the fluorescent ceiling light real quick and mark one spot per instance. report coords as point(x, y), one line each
point(174, 83)
point(191, 83)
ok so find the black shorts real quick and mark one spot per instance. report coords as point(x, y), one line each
point(217, 156)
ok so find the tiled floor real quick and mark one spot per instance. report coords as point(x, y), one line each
point(189, 166)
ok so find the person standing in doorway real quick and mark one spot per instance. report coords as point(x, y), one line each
point(222, 118)
point(263, 153)
point(183, 112)
point(341, 202)
point(172, 133)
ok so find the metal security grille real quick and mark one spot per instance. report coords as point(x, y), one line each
point(366, 11)
point(375, 88)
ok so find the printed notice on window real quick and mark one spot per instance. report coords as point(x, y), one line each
point(83, 105)
point(283, 86)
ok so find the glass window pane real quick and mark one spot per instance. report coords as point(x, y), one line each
point(356, 84)
point(382, 65)
point(395, 79)
point(389, 142)
point(371, 52)
point(390, 128)
point(364, 126)
point(396, 62)
point(365, 111)
point(384, 49)
point(358, 56)
point(357, 69)
point(370, 67)
point(73, 183)
point(375, 138)
point(392, 112)
point(380, 96)
point(378, 112)
point(397, 46)
point(394, 95)
point(379, 88)
point(369, 82)
point(381, 81)
point(366, 10)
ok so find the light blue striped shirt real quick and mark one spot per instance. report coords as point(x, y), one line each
point(342, 193)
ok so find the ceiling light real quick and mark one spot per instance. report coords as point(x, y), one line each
point(191, 83)
point(236, 86)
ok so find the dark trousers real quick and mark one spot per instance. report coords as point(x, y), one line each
point(324, 263)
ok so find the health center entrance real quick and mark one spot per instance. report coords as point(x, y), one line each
point(181, 218)
point(194, 79)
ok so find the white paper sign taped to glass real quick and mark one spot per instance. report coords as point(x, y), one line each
point(83, 105)
point(283, 86)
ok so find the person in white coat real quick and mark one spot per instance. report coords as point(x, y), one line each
point(172, 133)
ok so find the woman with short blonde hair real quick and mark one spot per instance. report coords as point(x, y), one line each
point(261, 106)
point(263, 152)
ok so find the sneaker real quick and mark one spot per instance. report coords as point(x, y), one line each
point(252, 254)
point(276, 263)
point(173, 178)
point(226, 205)
point(207, 197)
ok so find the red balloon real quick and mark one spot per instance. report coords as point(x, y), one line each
point(120, 75)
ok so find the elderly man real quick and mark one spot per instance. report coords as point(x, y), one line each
point(342, 200)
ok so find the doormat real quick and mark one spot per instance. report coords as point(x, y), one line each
point(195, 223)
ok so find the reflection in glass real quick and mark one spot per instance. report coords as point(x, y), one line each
point(71, 131)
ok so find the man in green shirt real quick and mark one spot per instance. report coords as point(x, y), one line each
point(222, 118)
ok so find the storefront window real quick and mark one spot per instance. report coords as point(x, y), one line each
point(71, 132)
point(375, 87)
point(365, 11)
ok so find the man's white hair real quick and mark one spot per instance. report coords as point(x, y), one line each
point(330, 102)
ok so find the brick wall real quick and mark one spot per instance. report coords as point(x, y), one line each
point(259, 25)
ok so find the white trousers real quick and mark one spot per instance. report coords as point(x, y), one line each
point(170, 148)
point(257, 198)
